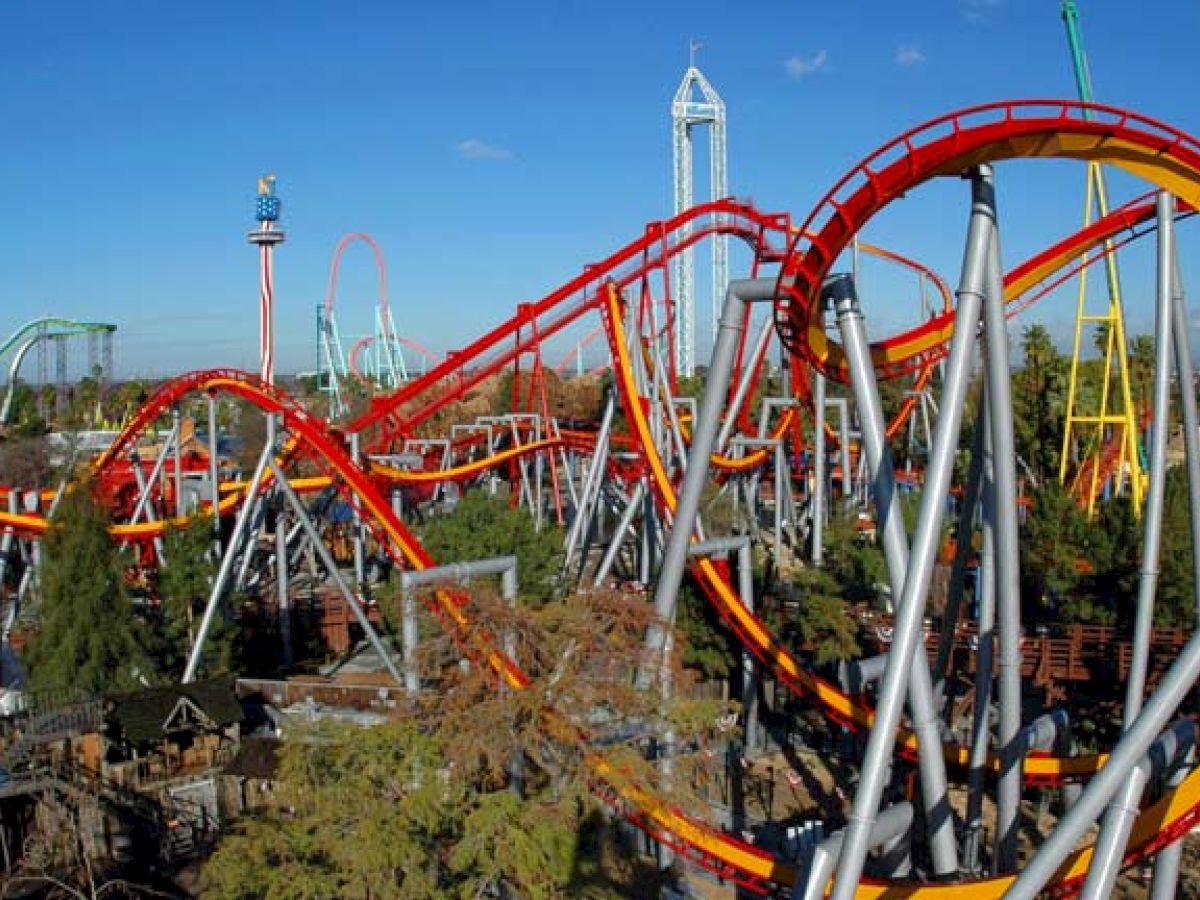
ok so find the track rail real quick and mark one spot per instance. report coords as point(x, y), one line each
point(950, 145)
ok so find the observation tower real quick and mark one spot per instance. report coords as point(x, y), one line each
point(266, 211)
point(696, 104)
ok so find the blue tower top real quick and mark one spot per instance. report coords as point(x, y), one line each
point(267, 206)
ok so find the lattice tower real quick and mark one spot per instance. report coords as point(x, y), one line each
point(696, 104)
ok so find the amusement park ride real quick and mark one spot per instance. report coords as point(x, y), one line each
point(41, 335)
point(628, 492)
point(377, 360)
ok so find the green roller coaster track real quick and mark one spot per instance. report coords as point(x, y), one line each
point(34, 332)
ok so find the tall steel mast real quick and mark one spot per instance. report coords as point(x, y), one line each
point(696, 103)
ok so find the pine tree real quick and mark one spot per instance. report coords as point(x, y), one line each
point(824, 623)
point(422, 808)
point(483, 526)
point(90, 638)
point(1039, 403)
point(708, 645)
point(184, 583)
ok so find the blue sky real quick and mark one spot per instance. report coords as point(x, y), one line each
point(493, 149)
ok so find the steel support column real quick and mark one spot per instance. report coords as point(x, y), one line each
point(231, 552)
point(633, 505)
point(281, 586)
point(1114, 830)
point(910, 577)
point(1008, 559)
point(704, 434)
point(817, 504)
point(985, 601)
point(1181, 342)
point(1178, 680)
point(958, 568)
point(213, 473)
point(331, 566)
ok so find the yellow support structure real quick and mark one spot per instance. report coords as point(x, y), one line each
point(1089, 428)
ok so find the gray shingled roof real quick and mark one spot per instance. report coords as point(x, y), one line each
point(139, 717)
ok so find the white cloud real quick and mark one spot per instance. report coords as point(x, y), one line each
point(978, 12)
point(474, 148)
point(799, 67)
point(909, 55)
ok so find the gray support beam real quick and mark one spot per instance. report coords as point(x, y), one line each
point(1049, 731)
point(231, 552)
point(591, 484)
point(751, 482)
point(1135, 686)
point(155, 476)
point(281, 585)
point(1181, 342)
point(409, 631)
point(462, 572)
point(749, 674)
point(1167, 862)
point(144, 489)
point(892, 823)
point(911, 578)
point(177, 460)
point(539, 472)
point(665, 401)
point(780, 496)
point(1165, 754)
point(213, 473)
point(839, 403)
point(360, 566)
point(650, 540)
point(633, 506)
point(769, 405)
point(905, 665)
point(704, 433)
point(1114, 835)
point(31, 579)
point(958, 568)
point(1178, 680)
point(560, 456)
point(1008, 560)
point(745, 383)
point(817, 506)
point(985, 599)
point(1114, 831)
point(856, 675)
point(410, 640)
point(331, 566)
point(253, 534)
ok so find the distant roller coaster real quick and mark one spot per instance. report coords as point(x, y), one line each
point(384, 365)
point(39, 334)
